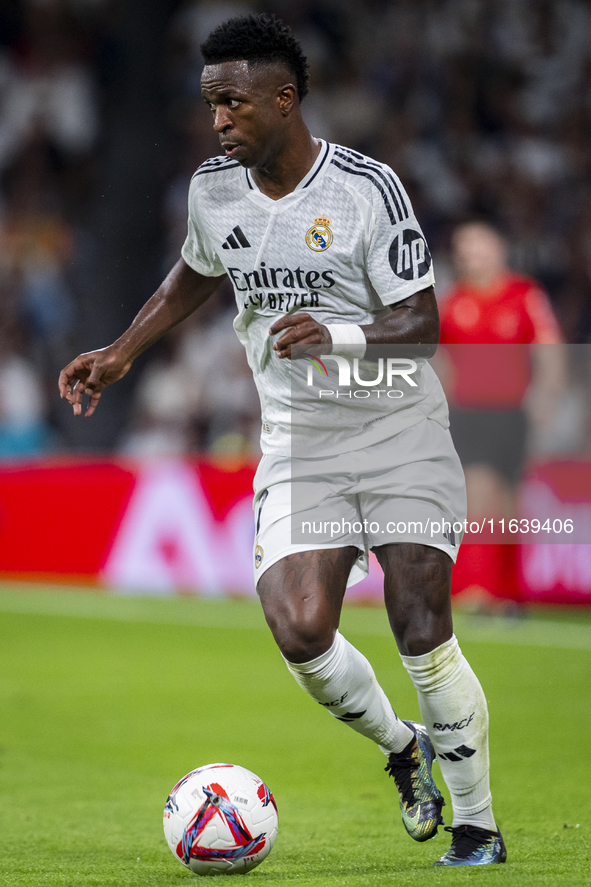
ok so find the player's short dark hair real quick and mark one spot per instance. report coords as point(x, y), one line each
point(261, 39)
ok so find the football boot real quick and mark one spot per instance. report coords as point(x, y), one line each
point(471, 845)
point(420, 799)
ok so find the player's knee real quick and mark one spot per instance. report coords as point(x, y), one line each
point(417, 640)
point(418, 645)
point(301, 646)
point(302, 629)
point(302, 640)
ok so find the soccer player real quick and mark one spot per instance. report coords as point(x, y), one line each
point(323, 250)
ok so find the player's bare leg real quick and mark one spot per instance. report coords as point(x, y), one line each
point(302, 597)
point(453, 706)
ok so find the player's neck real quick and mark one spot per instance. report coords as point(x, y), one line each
point(282, 174)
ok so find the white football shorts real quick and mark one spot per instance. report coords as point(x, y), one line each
point(407, 488)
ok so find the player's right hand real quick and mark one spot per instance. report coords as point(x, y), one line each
point(88, 374)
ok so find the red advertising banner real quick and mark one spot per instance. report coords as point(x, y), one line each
point(154, 527)
point(558, 491)
point(187, 526)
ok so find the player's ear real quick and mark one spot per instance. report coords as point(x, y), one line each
point(287, 98)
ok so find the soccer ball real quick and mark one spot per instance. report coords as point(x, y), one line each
point(220, 819)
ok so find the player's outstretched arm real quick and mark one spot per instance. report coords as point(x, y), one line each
point(415, 321)
point(181, 293)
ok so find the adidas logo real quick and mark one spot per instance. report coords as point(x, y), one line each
point(235, 240)
point(462, 750)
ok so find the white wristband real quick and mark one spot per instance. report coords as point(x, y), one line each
point(348, 339)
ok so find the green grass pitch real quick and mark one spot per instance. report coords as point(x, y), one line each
point(106, 702)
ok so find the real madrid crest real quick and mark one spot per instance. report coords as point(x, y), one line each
point(319, 236)
point(258, 556)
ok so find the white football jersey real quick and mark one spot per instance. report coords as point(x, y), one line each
point(342, 246)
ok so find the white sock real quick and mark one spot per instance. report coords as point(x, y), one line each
point(343, 681)
point(454, 711)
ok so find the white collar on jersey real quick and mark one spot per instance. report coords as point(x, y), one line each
point(320, 164)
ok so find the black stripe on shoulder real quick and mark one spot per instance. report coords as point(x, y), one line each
point(215, 160)
point(387, 172)
point(384, 174)
point(378, 171)
point(367, 175)
point(202, 172)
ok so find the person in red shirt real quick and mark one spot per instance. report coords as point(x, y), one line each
point(495, 390)
point(490, 304)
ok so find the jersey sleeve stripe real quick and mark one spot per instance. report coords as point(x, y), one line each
point(358, 172)
point(215, 161)
point(366, 175)
point(202, 172)
point(375, 174)
point(384, 173)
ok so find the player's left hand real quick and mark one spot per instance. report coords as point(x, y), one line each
point(301, 329)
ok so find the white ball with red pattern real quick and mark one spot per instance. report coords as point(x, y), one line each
point(220, 819)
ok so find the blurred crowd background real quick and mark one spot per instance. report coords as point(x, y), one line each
point(483, 107)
